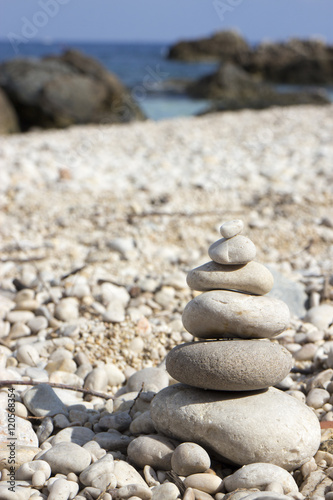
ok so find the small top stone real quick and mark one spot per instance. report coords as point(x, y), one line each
point(232, 251)
point(231, 228)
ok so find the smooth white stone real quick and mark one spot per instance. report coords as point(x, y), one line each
point(126, 474)
point(321, 316)
point(220, 313)
point(189, 458)
point(208, 483)
point(317, 397)
point(43, 401)
point(259, 475)
point(232, 251)
point(23, 431)
point(27, 354)
point(151, 379)
point(67, 309)
point(99, 473)
point(27, 470)
point(67, 457)
point(61, 489)
point(151, 450)
point(166, 491)
point(251, 278)
point(231, 228)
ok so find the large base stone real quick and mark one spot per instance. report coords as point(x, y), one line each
point(260, 426)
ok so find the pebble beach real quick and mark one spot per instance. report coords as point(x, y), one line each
point(99, 227)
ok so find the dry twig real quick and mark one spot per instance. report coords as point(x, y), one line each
point(5, 383)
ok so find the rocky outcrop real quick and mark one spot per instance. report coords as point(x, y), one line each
point(64, 90)
point(8, 118)
point(233, 88)
point(294, 61)
point(223, 45)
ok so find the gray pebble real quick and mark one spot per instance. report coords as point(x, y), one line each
point(153, 449)
point(37, 323)
point(112, 441)
point(43, 401)
point(166, 491)
point(119, 421)
point(67, 457)
point(142, 424)
point(189, 458)
point(61, 421)
point(77, 435)
point(45, 429)
point(151, 379)
point(100, 473)
point(199, 364)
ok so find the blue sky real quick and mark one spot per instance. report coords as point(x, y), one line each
point(164, 20)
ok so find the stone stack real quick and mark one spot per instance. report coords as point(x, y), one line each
point(225, 400)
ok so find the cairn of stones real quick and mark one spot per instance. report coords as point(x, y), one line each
point(225, 400)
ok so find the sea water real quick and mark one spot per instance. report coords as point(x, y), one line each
point(155, 82)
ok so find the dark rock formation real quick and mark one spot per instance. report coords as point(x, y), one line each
point(8, 119)
point(224, 45)
point(294, 61)
point(233, 88)
point(63, 90)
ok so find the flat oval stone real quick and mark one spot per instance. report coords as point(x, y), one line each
point(231, 228)
point(67, 457)
point(236, 250)
point(252, 278)
point(189, 458)
point(260, 475)
point(151, 450)
point(239, 365)
point(259, 426)
point(220, 313)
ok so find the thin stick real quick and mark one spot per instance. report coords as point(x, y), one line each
point(4, 383)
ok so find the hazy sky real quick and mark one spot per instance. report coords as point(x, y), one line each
point(163, 20)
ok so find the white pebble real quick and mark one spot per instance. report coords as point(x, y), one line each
point(317, 398)
point(231, 228)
